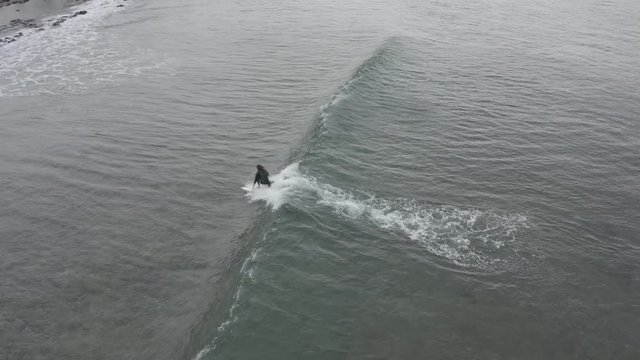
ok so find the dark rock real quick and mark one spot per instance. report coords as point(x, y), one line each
point(4, 3)
point(59, 21)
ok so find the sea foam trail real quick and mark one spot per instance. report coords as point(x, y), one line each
point(466, 237)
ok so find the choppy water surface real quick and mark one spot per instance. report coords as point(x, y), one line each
point(453, 180)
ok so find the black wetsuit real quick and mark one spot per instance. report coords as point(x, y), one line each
point(262, 177)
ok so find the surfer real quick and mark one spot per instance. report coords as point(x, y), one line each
point(262, 177)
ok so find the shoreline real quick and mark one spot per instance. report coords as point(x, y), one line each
point(19, 16)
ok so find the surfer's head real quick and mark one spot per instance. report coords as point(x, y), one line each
point(259, 167)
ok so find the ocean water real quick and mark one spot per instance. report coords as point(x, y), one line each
point(452, 180)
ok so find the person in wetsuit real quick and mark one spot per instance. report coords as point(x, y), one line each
point(262, 177)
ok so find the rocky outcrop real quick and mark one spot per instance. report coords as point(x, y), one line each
point(18, 23)
point(28, 19)
point(12, 2)
point(62, 19)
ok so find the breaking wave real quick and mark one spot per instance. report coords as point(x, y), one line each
point(465, 237)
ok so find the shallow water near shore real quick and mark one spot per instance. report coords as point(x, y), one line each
point(452, 180)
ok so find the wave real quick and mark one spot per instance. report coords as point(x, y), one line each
point(247, 275)
point(229, 289)
point(465, 237)
point(290, 185)
point(343, 92)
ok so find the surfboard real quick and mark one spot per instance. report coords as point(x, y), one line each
point(249, 188)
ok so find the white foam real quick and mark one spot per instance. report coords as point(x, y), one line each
point(73, 57)
point(247, 272)
point(202, 352)
point(248, 267)
point(343, 93)
point(284, 186)
point(466, 237)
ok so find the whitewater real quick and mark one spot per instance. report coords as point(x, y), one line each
point(451, 180)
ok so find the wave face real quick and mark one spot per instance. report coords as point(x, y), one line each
point(341, 219)
point(420, 200)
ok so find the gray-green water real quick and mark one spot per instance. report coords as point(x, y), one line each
point(453, 180)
